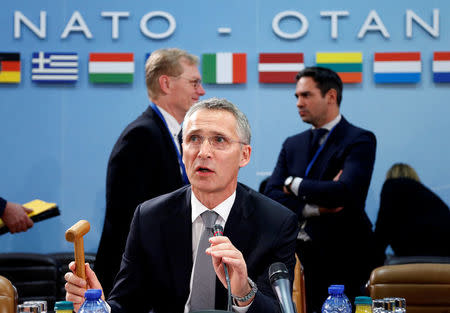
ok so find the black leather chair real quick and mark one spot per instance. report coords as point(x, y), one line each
point(34, 275)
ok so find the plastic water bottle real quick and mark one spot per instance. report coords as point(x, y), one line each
point(363, 305)
point(337, 301)
point(93, 302)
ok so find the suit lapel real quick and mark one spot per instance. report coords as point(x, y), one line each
point(179, 246)
point(329, 150)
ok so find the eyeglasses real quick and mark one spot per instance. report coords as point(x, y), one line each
point(217, 142)
point(194, 82)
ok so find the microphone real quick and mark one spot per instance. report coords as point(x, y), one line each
point(279, 279)
point(218, 231)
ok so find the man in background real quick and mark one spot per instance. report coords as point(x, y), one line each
point(15, 216)
point(323, 174)
point(146, 159)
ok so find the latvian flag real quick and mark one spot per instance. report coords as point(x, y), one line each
point(397, 67)
point(54, 67)
point(224, 68)
point(9, 67)
point(111, 67)
point(441, 67)
point(279, 67)
point(348, 65)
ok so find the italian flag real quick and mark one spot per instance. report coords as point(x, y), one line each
point(224, 68)
point(111, 67)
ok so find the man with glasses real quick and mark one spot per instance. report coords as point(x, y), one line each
point(160, 266)
point(146, 159)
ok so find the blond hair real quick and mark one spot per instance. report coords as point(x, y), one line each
point(402, 170)
point(165, 62)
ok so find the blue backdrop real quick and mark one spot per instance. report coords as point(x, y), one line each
point(56, 139)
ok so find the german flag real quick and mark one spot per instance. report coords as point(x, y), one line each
point(9, 67)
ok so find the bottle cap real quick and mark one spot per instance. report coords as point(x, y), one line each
point(93, 294)
point(336, 289)
point(363, 300)
point(64, 305)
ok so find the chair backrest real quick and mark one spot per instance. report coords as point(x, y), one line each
point(8, 296)
point(34, 275)
point(425, 286)
point(298, 290)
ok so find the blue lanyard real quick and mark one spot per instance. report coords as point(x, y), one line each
point(180, 159)
point(316, 155)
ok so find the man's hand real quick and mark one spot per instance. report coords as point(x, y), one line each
point(323, 210)
point(76, 286)
point(15, 217)
point(223, 251)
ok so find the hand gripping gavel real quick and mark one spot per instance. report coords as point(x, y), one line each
point(75, 234)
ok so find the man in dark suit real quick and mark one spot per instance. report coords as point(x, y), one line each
point(159, 267)
point(325, 180)
point(146, 159)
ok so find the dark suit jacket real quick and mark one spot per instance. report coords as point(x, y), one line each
point(348, 148)
point(412, 219)
point(143, 164)
point(157, 264)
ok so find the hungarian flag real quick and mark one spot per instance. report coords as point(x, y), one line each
point(9, 67)
point(279, 67)
point(348, 65)
point(441, 67)
point(111, 67)
point(397, 67)
point(224, 68)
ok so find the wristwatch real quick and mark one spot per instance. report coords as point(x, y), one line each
point(288, 182)
point(250, 294)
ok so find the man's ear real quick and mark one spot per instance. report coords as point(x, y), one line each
point(164, 83)
point(331, 96)
point(245, 157)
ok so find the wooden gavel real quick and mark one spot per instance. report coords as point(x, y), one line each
point(75, 234)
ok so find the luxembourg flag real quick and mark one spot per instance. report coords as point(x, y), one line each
point(279, 67)
point(441, 67)
point(224, 68)
point(397, 67)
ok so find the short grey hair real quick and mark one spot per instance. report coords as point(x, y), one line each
point(243, 126)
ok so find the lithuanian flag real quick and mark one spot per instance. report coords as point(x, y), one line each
point(9, 67)
point(348, 65)
point(224, 68)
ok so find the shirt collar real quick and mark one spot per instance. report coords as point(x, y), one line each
point(331, 124)
point(223, 209)
point(171, 122)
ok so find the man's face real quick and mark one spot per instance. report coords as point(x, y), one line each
point(187, 88)
point(213, 170)
point(312, 107)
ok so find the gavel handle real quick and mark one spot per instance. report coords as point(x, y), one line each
point(79, 257)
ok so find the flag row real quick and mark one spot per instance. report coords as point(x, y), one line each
point(228, 68)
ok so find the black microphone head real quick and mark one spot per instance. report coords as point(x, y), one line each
point(278, 270)
point(217, 230)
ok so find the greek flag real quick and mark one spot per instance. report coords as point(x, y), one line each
point(54, 67)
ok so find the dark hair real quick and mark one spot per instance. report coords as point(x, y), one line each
point(325, 79)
